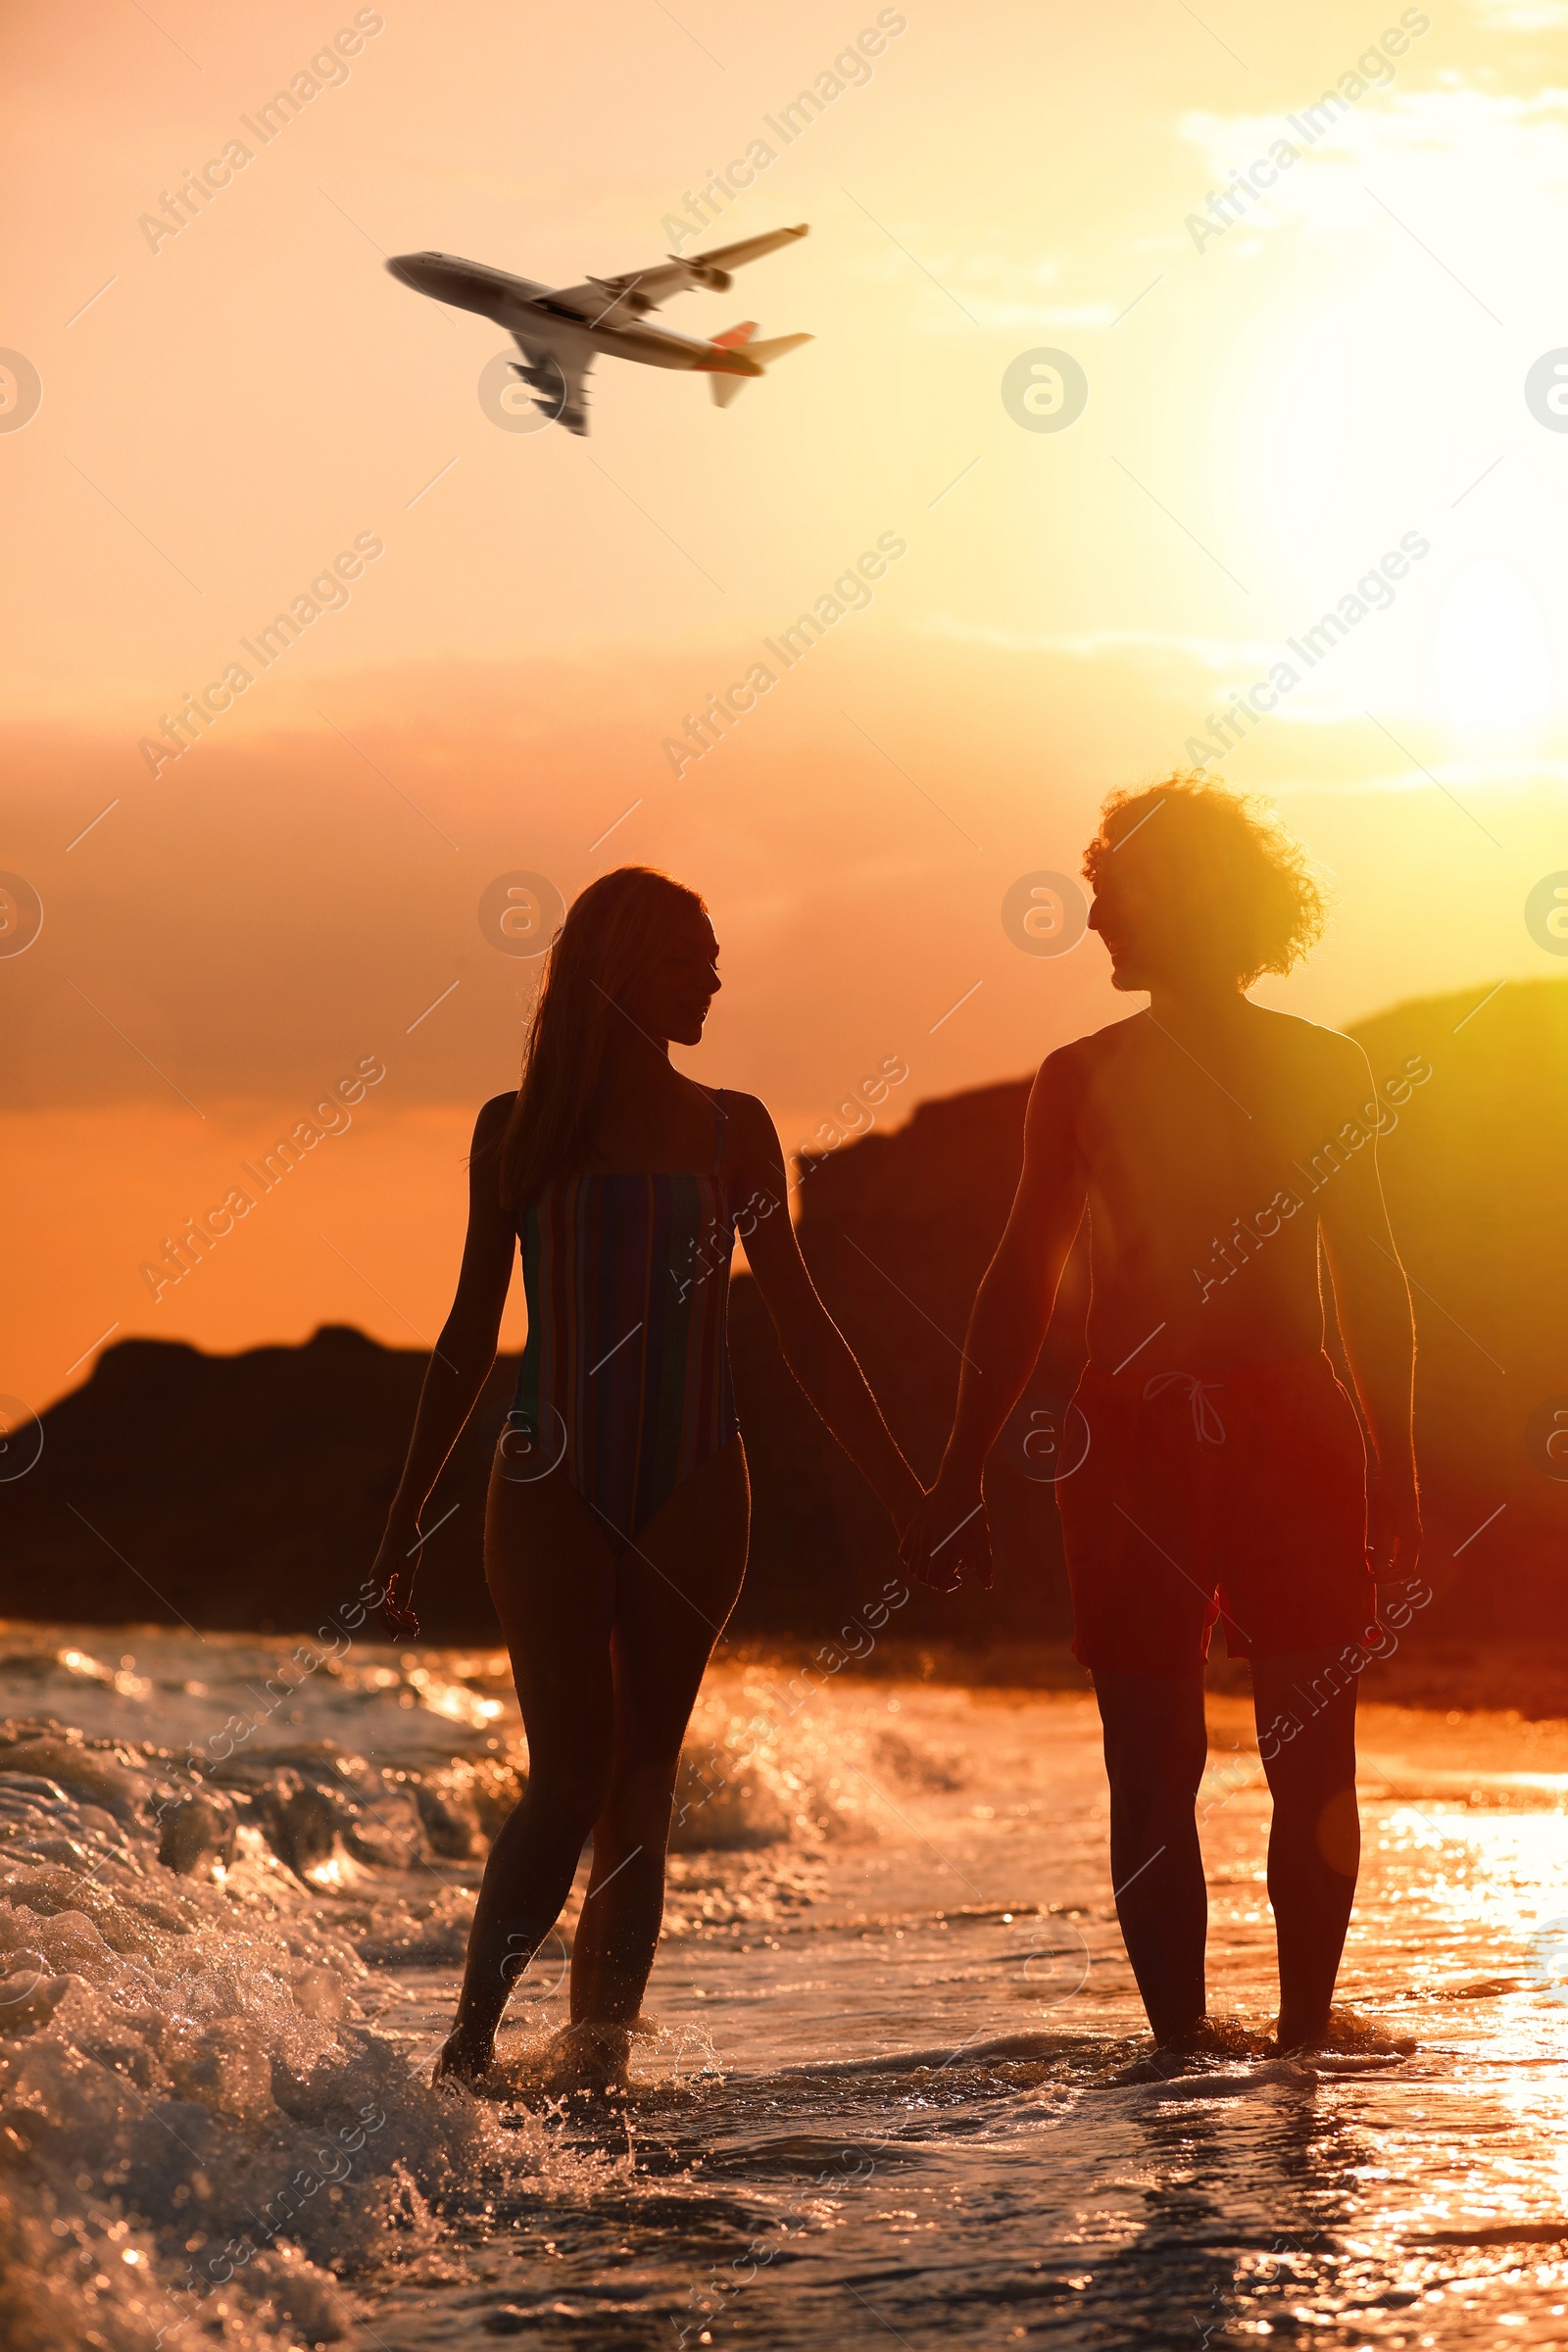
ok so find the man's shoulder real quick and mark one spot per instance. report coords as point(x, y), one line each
point(1068, 1077)
point(1100, 1045)
point(1327, 1048)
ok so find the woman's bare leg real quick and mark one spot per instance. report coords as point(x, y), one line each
point(673, 1593)
point(552, 1577)
point(607, 1658)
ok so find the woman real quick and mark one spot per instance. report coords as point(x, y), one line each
point(618, 1511)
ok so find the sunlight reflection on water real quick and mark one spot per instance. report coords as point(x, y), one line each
point(890, 1989)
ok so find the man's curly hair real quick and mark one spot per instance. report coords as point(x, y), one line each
point(1244, 879)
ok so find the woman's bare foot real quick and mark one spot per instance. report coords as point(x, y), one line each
point(463, 2061)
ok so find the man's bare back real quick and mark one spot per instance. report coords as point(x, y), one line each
point(1207, 1159)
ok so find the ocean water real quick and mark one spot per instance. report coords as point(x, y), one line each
point(235, 1875)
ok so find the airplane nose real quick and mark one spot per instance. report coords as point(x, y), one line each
point(425, 273)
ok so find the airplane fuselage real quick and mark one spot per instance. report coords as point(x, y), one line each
point(523, 308)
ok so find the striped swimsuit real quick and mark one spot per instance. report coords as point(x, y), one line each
point(625, 1374)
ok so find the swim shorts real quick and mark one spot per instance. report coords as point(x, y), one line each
point(1238, 1493)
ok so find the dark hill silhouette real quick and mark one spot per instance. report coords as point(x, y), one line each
point(250, 1490)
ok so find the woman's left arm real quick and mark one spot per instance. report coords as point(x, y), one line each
point(814, 1348)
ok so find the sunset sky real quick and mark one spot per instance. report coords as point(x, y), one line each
point(1276, 401)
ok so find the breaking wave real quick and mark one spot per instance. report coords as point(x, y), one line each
point(215, 1856)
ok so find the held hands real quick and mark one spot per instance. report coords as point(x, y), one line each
point(947, 1535)
point(1394, 1525)
point(395, 1574)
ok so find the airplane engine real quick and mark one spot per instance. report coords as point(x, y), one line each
point(718, 281)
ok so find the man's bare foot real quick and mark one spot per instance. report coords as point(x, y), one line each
point(1178, 2054)
point(1347, 2034)
point(588, 2057)
point(1224, 2037)
point(1156, 2066)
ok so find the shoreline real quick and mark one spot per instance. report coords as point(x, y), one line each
point(1525, 1680)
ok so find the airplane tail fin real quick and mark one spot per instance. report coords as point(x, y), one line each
point(733, 338)
point(767, 353)
point(725, 387)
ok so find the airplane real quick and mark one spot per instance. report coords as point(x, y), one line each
point(560, 330)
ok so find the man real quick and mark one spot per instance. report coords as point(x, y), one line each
point(1213, 1143)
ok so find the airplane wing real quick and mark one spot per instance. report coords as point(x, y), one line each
point(557, 382)
point(609, 299)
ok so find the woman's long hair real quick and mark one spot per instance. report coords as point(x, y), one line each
point(616, 928)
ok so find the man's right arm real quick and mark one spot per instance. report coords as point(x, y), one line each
point(1008, 1322)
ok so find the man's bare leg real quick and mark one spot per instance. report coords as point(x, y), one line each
point(1314, 1846)
point(1155, 1749)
